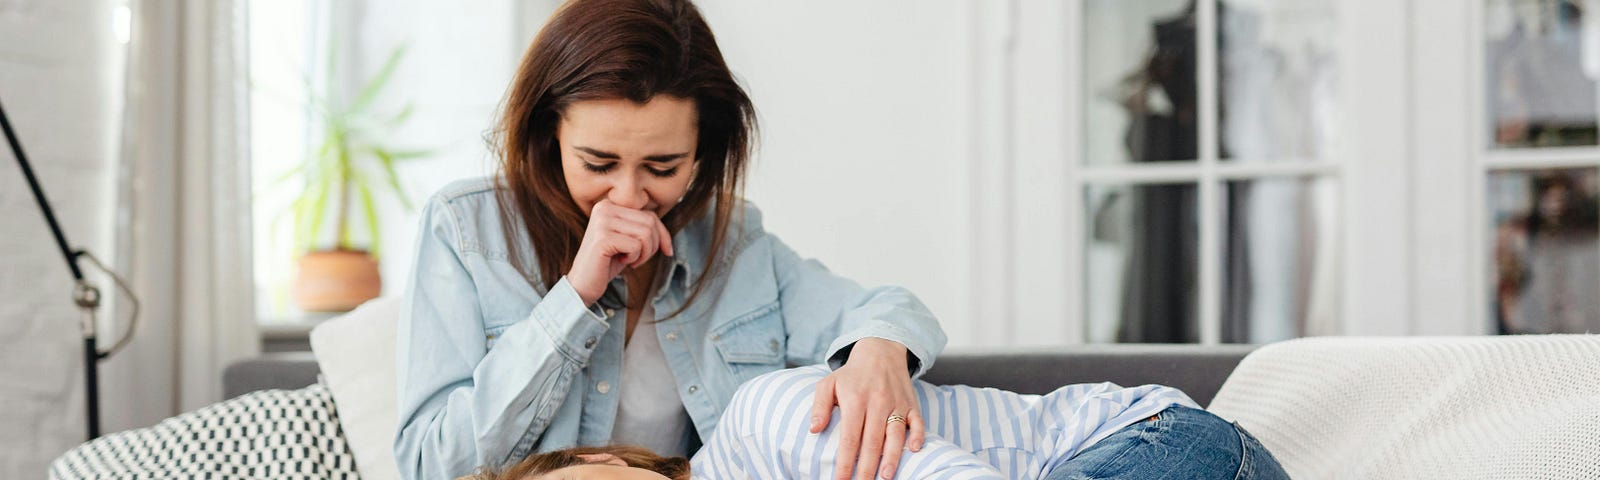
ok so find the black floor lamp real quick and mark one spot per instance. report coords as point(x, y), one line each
point(84, 295)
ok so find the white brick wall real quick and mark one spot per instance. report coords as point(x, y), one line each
point(57, 89)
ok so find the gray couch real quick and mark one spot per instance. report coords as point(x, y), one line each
point(1525, 406)
point(1197, 370)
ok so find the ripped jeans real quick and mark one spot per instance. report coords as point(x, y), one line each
point(1178, 443)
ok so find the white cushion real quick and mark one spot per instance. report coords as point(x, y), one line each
point(356, 353)
point(1521, 407)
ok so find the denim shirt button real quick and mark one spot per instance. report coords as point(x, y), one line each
point(672, 335)
point(694, 388)
point(773, 344)
point(602, 387)
point(588, 343)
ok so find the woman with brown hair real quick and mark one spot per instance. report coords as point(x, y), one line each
point(609, 286)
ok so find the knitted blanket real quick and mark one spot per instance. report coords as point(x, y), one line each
point(270, 434)
point(1524, 407)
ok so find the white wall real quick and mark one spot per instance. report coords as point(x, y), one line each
point(863, 159)
point(59, 93)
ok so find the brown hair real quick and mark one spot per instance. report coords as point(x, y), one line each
point(675, 468)
point(618, 49)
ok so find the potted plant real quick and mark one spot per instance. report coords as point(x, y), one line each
point(342, 176)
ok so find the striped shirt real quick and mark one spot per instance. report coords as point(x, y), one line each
point(971, 433)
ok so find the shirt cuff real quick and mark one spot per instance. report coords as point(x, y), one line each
point(918, 357)
point(575, 328)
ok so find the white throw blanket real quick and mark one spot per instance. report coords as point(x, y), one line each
point(1524, 407)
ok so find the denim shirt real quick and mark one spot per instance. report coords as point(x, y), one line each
point(493, 368)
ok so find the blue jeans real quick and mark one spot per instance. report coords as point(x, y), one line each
point(1178, 443)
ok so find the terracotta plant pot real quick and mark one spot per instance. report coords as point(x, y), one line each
point(336, 280)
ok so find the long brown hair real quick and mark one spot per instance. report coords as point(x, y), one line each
point(675, 468)
point(617, 49)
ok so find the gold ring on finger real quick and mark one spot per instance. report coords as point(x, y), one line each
point(896, 418)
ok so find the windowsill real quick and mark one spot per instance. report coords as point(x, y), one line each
point(289, 333)
point(285, 330)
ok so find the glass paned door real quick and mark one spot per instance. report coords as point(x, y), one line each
point(1141, 89)
point(1542, 73)
point(1141, 258)
point(1544, 266)
point(1540, 166)
point(1207, 173)
point(1277, 77)
point(1278, 258)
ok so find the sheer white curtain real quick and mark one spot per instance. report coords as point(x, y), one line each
point(183, 220)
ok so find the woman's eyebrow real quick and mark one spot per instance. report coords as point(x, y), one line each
point(659, 158)
point(598, 153)
point(665, 157)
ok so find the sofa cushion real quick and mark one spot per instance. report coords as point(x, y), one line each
point(1423, 407)
point(356, 353)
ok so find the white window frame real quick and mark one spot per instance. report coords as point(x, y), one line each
point(1442, 112)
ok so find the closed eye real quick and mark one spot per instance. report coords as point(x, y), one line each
point(612, 166)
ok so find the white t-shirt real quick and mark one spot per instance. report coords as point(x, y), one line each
point(649, 412)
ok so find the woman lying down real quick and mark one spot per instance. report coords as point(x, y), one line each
point(1076, 432)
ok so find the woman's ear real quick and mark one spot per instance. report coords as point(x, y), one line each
point(602, 458)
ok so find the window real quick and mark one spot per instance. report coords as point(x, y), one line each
point(1539, 164)
point(1209, 178)
point(450, 63)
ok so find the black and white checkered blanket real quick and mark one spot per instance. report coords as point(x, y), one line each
point(270, 434)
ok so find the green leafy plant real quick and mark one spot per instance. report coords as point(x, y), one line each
point(352, 161)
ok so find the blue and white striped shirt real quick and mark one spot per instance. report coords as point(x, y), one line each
point(972, 433)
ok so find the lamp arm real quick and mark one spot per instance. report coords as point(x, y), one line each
point(85, 296)
point(38, 195)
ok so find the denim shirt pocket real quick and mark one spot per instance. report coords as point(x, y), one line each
point(753, 343)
